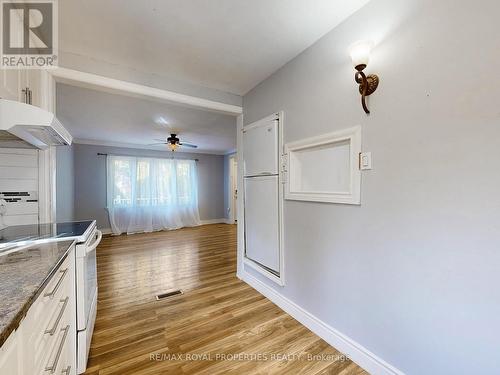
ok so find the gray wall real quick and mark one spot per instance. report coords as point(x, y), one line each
point(412, 273)
point(90, 181)
point(65, 186)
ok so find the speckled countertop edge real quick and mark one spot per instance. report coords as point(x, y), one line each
point(14, 322)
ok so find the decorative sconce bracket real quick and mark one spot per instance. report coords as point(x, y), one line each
point(367, 85)
point(372, 81)
point(360, 56)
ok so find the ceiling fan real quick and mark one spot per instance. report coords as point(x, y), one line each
point(173, 142)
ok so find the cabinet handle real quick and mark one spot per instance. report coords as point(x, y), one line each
point(66, 371)
point(51, 293)
point(53, 366)
point(25, 92)
point(52, 330)
point(30, 94)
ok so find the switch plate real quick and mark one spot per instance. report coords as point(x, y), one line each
point(284, 162)
point(365, 161)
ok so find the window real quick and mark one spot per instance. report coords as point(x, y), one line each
point(146, 194)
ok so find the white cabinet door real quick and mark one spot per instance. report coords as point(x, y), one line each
point(10, 84)
point(260, 149)
point(33, 82)
point(262, 221)
point(48, 332)
point(14, 81)
point(9, 355)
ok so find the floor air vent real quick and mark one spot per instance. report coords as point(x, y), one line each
point(159, 297)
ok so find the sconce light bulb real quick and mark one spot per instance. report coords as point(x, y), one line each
point(360, 53)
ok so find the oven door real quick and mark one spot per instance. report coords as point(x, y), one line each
point(86, 279)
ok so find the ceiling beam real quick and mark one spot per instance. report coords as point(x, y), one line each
point(111, 85)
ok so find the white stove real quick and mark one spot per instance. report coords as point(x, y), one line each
point(86, 294)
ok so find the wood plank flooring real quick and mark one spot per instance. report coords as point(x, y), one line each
point(220, 325)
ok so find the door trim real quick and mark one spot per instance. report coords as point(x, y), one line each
point(232, 184)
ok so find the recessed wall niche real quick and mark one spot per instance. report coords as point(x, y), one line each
point(325, 168)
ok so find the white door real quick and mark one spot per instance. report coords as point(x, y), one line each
point(260, 149)
point(262, 234)
point(235, 189)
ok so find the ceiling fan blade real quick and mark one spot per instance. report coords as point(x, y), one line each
point(188, 145)
point(156, 144)
point(160, 140)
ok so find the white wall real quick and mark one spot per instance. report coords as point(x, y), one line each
point(19, 173)
point(412, 273)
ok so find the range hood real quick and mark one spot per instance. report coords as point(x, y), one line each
point(29, 125)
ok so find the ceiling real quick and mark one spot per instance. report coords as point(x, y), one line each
point(103, 118)
point(229, 45)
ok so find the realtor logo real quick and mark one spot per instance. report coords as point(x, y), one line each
point(29, 34)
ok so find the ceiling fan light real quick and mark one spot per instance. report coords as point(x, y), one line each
point(173, 146)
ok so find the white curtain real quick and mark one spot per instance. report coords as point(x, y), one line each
point(145, 194)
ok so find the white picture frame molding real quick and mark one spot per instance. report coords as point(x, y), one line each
point(353, 194)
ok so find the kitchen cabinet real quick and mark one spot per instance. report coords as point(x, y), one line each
point(23, 85)
point(31, 87)
point(10, 84)
point(10, 356)
point(45, 341)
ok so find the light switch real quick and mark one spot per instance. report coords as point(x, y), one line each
point(365, 161)
point(284, 162)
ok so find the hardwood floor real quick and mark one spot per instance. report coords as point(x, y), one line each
point(220, 325)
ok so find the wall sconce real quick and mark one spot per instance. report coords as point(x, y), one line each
point(360, 55)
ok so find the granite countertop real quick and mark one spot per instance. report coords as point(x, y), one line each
point(24, 272)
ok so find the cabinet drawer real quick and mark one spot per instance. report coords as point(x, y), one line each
point(46, 308)
point(45, 324)
point(65, 363)
point(46, 340)
point(58, 353)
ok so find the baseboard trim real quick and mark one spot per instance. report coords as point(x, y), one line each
point(108, 231)
point(359, 354)
point(215, 221)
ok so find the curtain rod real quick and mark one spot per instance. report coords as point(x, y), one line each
point(152, 157)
